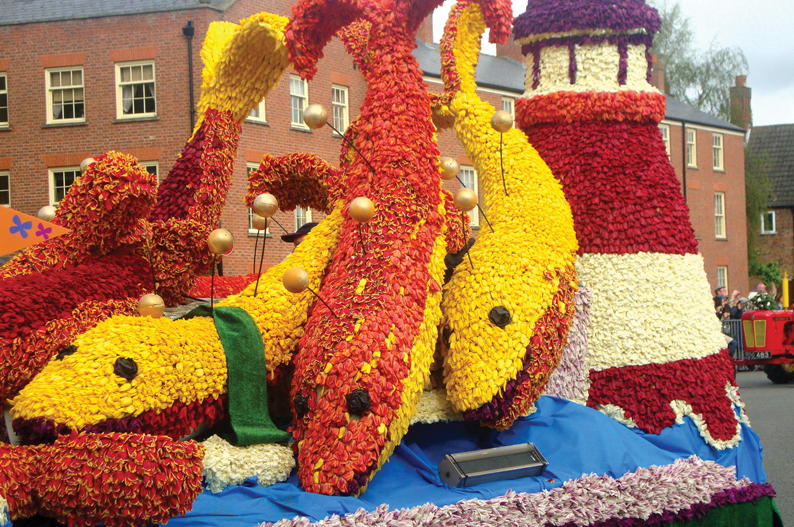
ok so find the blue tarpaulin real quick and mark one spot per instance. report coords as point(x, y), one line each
point(575, 440)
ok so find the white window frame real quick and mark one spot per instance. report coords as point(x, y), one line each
point(4, 91)
point(470, 180)
point(665, 130)
point(720, 227)
point(297, 101)
point(250, 167)
point(691, 147)
point(509, 105)
point(307, 217)
point(152, 164)
point(769, 214)
point(51, 176)
point(722, 276)
point(120, 89)
point(51, 89)
point(258, 114)
point(340, 110)
point(5, 174)
point(717, 141)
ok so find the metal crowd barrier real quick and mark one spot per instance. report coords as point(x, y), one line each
point(733, 328)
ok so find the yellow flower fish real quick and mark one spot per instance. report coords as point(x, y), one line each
point(507, 316)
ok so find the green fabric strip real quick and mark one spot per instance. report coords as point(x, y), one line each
point(247, 376)
point(760, 513)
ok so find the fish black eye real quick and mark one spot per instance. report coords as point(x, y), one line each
point(65, 352)
point(125, 368)
point(500, 316)
point(358, 402)
point(301, 404)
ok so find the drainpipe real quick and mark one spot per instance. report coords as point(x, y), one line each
point(188, 31)
point(683, 155)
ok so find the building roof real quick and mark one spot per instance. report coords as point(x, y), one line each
point(31, 11)
point(553, 16)
point(679, 111)
point(498, 73)
point(776, 144)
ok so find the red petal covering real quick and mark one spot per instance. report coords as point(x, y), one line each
point(623, 192)
point(645, 392)
point(115, 479)
point(572, 107)
point(42, 312)
point(196, 186)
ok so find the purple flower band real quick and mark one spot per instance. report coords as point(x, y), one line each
point(555, 16)
point(688, 488)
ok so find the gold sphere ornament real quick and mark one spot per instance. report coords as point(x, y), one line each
point(295, 279)
point(151, 305)
point(502, 121)
point(315, 116)
point(465, 199)
point(449, 168)
point(258, 222)
point(46, 213)
point(265, 205)
point(220, 241)
point(85, 163)
point(362, 209)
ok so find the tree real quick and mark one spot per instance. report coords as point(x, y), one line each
point(758, 192)
point(700, 78)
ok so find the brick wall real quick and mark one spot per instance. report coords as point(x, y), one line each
point(702, 183)
point(779, 247)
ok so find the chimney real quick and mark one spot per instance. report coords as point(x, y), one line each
point(657, 74)
point(511, 50)
point(425, 31)
point(741, 112)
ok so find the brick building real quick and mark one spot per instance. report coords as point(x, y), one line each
point(775, 146)
point(81, 77)
point(708, 156)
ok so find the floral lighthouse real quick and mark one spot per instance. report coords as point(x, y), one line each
point(655, 350)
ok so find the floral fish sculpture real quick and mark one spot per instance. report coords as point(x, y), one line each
point(121, 240)
point(507, 316)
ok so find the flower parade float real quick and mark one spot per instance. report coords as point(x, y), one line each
point(125, 234)
point(360, 335)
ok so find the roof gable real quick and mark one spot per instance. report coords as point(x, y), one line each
point(776, 143)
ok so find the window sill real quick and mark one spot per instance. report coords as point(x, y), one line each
point(305, 130)
point(720, 170)
point(254, 121)
point(135, 119)
point(769, 233)
point(64, 125)
point(721, 239)
point(5, 128)
point(694, 167)
point(253, 233)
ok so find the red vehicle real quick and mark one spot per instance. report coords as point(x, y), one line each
point(769, 340)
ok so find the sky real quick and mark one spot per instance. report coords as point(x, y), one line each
point(761, 28)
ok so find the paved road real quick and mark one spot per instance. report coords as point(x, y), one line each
point(770, 408)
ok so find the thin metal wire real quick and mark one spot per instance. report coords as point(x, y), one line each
point(465, 238)
point(478, 207)
point(361, 236)
point(502, 163)
point(323, 301)
point(345, 139)
point(261, 259)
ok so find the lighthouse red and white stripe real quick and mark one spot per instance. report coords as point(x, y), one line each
point(655, 349)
